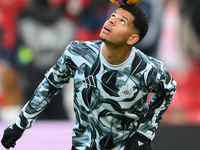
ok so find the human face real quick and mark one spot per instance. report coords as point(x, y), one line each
point(118, 29)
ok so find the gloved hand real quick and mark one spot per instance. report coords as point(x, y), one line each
point(11, 135)
point(138, 142)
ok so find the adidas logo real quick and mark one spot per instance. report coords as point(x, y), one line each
point(11, 127)
point(89, 81)
point(140, 143)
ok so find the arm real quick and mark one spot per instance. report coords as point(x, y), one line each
point(50, 86)
point(41, 97)
point(159, 82)
point(163, 86)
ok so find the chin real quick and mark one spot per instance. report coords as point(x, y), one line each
point(103, 39)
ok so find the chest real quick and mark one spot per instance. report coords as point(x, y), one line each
point(118, 85)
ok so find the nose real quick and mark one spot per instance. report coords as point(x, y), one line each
point(111, 21)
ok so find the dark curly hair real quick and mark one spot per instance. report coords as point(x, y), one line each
point(140, 22)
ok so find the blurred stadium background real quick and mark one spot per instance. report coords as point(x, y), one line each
point(34, 33)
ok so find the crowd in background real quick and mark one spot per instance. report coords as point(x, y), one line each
point(34, 33)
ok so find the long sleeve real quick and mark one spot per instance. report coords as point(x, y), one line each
point(163, 86)
point(50, 86)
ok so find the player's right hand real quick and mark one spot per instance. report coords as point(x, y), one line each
point(11, 135)
point(138, 142)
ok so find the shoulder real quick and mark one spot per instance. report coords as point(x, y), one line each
point(155, 71)
point(84, 48)
point(151, 62)
point(82, 51)
point(86, 44)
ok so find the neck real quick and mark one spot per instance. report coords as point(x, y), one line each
point(116, 55)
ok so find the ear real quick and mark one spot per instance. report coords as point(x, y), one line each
point(133, 39)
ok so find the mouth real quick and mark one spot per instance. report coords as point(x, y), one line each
point(106, 29)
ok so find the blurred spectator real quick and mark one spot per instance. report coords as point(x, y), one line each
point(8, 21)
point(91, 19)
point(11, 95)
point(190, 39)
point(170, 53)
point(169, 43)
point(185, 108)
point(154, 11)
point(190, 31)
point(43, 34)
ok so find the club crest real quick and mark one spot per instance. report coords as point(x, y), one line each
point(126, 91)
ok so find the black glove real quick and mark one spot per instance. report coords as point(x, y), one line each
point(11, 135)
point(138, 142)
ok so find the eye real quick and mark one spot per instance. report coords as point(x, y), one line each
point(112, 16)
point(122, 22)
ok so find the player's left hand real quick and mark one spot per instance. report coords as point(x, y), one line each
point(138, 142)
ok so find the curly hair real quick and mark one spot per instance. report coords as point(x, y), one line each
point(140, 22)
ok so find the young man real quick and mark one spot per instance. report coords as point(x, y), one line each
point(112, 80)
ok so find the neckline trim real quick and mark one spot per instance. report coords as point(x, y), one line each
point(120, 66)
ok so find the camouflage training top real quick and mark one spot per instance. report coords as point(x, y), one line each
point(110, 101)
